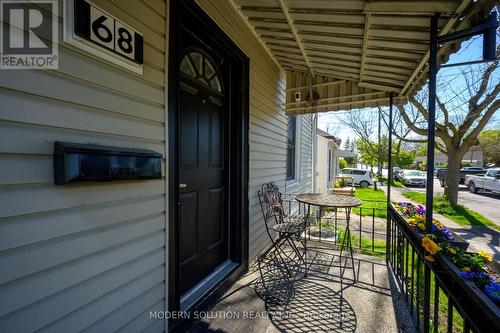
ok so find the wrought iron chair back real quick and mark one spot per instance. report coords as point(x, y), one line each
point(286, 232)
point(271, 205)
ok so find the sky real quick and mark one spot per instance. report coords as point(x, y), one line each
point(470, 50)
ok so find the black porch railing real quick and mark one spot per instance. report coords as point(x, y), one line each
point(454, 306)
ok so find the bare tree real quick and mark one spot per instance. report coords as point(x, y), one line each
point(402, 134)
point(462, 115)
point(363, 123)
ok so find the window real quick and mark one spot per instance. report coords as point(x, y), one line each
point(493, 173)
point(197, 66)
point(291, 148)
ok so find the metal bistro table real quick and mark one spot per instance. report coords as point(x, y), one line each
point(334, 201)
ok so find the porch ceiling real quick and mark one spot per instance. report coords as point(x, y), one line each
point(366, 48)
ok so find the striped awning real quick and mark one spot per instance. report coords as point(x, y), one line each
point(354, 53)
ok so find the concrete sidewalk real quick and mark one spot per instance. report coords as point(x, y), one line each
point(479, 237)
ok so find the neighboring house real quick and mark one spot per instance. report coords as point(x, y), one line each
point(327, 160)
point(474, 157)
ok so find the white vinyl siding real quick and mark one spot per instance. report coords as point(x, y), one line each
point(268, 123)
point(92, 256)
point(322, 164)
point(83, 257)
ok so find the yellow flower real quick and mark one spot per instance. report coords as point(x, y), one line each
point(486, 256)
point(430, 246)
point(421, 226)
point(411, 221)
point(452, 250)
point(430, 258)
point(419, 218)
point(465, 269)
point(337, 184)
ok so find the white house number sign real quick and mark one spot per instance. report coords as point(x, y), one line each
point(100, 30)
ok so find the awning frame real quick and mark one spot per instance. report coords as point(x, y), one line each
point(357, 52)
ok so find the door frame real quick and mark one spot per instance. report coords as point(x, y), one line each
point(238, 146)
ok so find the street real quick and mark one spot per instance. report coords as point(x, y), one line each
point(485, 203)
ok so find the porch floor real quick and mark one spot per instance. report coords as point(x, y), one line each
point(371, 304)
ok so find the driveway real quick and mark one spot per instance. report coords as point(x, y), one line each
point(482, 202)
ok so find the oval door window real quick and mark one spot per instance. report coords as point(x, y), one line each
point(197, 66)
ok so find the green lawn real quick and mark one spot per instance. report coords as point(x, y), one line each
point(371, 200)
point(376, 248)
point(417, 278)
point(394, 182)
point(460, 214)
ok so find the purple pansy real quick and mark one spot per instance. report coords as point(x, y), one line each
point(493, 291)
point(468, 275)
point(448, 233)
point(420, 210)
point(486, 278)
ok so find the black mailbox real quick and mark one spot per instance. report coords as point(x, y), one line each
point(75, 162)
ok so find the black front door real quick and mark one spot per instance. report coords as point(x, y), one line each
point(208, 116)
point(203, 162)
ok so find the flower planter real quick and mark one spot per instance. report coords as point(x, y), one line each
point(458, 242)
point(447, 268)
point(486, 306)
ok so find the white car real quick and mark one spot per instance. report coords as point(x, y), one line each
point(413, 177)
point(362, 177)
point(490, 181)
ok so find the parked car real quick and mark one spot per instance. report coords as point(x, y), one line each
point(439, 171)
point(489, 181)
point(362, 177)
point(397, 173)
point(413, 177)
point(470, 171)
point(443, 178)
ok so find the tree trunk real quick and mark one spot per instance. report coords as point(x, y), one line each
point(453, 176)
point(398, 153)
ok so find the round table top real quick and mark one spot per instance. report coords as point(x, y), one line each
point(328, 200)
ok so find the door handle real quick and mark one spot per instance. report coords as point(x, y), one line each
point(181, 185)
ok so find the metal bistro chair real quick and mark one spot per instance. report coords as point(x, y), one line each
point(287, 229)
